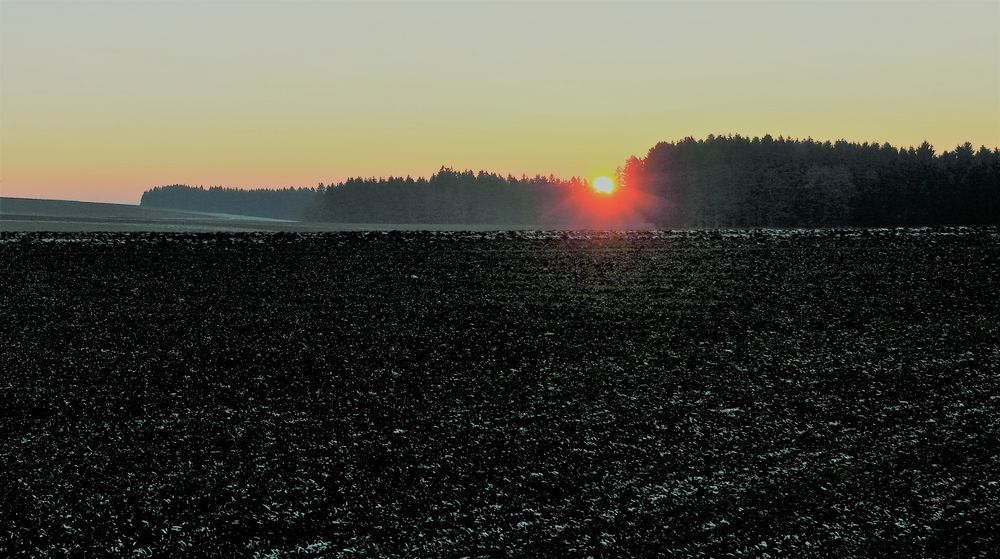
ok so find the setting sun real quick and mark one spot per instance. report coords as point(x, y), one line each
point(604, 185)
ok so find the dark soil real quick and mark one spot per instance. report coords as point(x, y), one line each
point(415, 394)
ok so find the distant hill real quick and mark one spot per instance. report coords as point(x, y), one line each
point(26, 215)
point(30, 214)
point(74, 209)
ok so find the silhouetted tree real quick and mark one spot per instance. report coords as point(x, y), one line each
point(754, 182)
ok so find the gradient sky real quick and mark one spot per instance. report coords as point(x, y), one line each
point(101, 100)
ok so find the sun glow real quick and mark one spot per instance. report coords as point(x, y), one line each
point(603, 185)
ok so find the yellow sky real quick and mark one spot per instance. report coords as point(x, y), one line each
point(101, 100)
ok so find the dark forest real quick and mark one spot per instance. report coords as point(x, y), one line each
point(719, 181)
point(276, 203)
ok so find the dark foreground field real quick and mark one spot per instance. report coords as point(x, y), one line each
point(804, 394)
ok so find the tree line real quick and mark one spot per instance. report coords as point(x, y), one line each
point(718, 181)
point(736, 181)
point(276, 203)
point(447, 197)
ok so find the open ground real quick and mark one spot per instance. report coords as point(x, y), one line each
point(807, 393)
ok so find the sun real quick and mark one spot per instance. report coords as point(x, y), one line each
point(603, 185)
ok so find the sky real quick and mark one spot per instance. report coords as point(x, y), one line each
point(100, 100)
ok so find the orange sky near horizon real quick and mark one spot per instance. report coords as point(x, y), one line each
point(102, 100)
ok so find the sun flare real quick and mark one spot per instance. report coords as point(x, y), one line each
point(603, 185)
